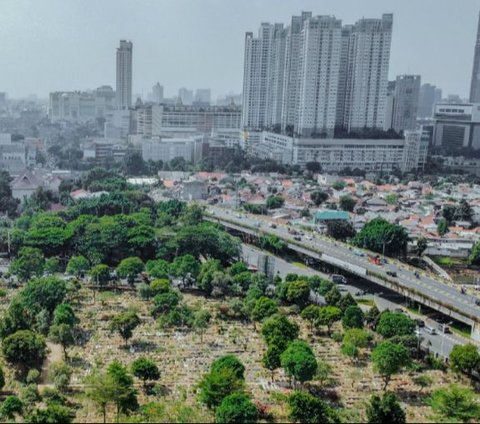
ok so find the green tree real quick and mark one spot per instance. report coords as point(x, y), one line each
point(124, 323)
point(78, 265)
point(464, 358)
point(423, 381)
point(8, 205)
point(333, 296)
point(474, 257)
point(357, 337)
point(353, 317)
point(328, 315)
point(455, 403)
point(231, 362)
point(53, 413)
point(11, 407)
point(345, 302)
point(129, 268)
point(298, 292)
point(347, 203)
point(145, 369)
point(60, 373)
point(318, 197)
point(385, 409)
point(185, 267)
point(421, 246)
point(388, 359)
point(299, 361)
point(391, 198)
point(63, 335)
point(100, 274)
point(380, 236)
point(340, 230)
point(274, 202)
point(63, 314)
point(279, 327)
point(29, 262)
point(217, 385)
point(236, 408)
point(271, 359)
point(311, 314)
point(442, 227)
point(306, 408)
point(123, 395)
point(2, 378)
point(201, 319)
point(207, 271)
point(52, 265)
point(24, 349)
point(165, 302)
point(263, 308)
point(393, 324)
point(43, 294)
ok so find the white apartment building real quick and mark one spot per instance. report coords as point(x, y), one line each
point(80, 106)
point(367, 73)
point(319, 70)
point(118, 123)
point(372, 155)
point(124, 74)
point(157, 93)
point(315, 74)
point(158, 120)
point(166, 149)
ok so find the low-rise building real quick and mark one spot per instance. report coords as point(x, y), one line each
point(166, 149)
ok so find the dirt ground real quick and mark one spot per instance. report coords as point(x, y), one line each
point(183, 358)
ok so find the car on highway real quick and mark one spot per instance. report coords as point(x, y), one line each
point(358, 253)
point(338, 279)
point(477, 302)
point(361, 293)
point(430, 330)
point(420, 323)
point(392, 273)
point(399, 311)
point(298, 238)
point(444, 328)
point(272, 225)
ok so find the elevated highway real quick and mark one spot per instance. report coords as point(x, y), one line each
point(424, 289)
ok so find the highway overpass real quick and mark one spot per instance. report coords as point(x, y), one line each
point(426, 289)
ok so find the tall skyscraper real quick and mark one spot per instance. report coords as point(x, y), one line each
point(315, 75)
point(405, 102)
point(124, 75)
point(157, 93)
point(475, 84)
point(186, 96)
point(320, 43)
point(366, 73)
point(428, 96)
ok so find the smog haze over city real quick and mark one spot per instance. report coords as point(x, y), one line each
point(233, 211)
point(52, 45)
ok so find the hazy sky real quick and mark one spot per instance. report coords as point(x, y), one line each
point(49, 45)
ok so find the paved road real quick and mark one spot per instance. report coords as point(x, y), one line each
point(442, 344)
point(425, 283)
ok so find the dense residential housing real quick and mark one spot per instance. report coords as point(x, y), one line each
point(315, 75)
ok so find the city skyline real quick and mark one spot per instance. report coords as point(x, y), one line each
point(168, 58)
